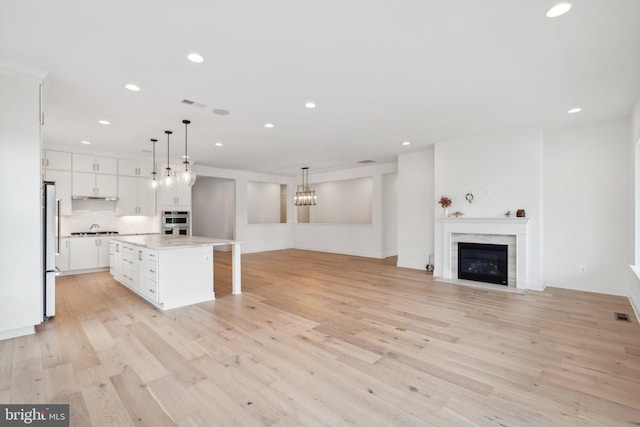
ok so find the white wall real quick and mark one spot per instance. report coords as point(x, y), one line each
point(503, 171)
point(254, 237)
point(343, 202)
point(634, 286)
point(263, 204)
point(211, 201)
point(587, 207)
point(351, 239)
point(390, 214)
point(415, 208)
point(21, 289)
point(103, 213)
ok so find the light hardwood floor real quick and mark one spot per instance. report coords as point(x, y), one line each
point(323, 339)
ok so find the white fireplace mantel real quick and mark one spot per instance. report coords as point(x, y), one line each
point(486, 226)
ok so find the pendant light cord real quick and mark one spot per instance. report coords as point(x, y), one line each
point(168, 132)
point(186, 155)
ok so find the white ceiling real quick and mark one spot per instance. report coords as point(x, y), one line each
point(381, 72)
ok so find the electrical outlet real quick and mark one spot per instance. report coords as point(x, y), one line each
point(582, 268)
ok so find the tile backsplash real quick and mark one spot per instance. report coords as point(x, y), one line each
point(103, 213)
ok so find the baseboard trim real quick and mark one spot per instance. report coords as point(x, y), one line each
point(14, 333)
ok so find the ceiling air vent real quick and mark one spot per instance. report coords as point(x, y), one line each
point(366, 162)
point(192, 103)
point(220, 112)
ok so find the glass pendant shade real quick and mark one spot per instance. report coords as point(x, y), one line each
point(168, 181)
point(154, 185)
point(187, 176)
point(305, 196)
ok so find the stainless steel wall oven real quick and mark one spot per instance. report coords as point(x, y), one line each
point(176, 222)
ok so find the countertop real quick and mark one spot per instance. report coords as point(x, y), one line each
point(164, 241)
point(109, 235)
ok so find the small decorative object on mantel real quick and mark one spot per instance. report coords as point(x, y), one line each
point(520, 213)
point(469, 197)
point(457, 214)
point(445, 202)
point(507, 214)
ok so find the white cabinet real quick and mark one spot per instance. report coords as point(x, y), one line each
point(88, 252)
point(136, 268)
point(103, 251)
point(141, 168)
point(150, 274)
point(97, 164)
point(56, 160)
point(63, 188)
point(135, 196)
point(115, 259)
point(130, 267)
point(62, 257)
point(180, 196)
point(88, 184)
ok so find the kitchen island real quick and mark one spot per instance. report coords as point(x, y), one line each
point(170, 271)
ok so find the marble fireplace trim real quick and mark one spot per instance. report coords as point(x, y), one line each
point(487, 230)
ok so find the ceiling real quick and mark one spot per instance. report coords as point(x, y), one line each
point(380, 71)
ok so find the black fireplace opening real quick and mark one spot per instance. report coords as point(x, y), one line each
point(483, 262)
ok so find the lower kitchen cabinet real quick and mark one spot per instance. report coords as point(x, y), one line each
point(136, 268)
point(88, 252)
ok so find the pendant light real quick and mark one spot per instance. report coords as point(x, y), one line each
point(154, 183)
point(304, 196)
point(168, 182)
point(187, 176)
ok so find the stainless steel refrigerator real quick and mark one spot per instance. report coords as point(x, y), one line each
point(51, 246)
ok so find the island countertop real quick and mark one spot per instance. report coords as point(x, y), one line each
point(167, 241)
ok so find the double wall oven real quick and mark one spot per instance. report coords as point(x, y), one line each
point(176, 222)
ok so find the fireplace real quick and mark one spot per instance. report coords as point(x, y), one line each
point(483, 262)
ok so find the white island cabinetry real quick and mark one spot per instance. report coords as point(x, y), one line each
point(171, 271)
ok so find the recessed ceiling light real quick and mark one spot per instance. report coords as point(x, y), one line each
point(85, 142)
point(310, 105)
point(574, 110)
point(104, 122)
point(268, 125)
point(406, 143)
point(218, 144)
point(132, 87)
point(558, 10)
point(194, 57)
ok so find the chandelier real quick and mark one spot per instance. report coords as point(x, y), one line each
point(305, 196)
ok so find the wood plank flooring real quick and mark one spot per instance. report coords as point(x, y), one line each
point(330, 340)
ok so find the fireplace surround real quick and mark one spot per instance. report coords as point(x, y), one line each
point(503, 231)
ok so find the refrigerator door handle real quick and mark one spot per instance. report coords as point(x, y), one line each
point(58, 230)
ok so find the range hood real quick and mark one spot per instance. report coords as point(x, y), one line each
point(93, 198)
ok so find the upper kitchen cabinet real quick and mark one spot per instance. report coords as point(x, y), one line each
point(135, 196)
point(96, 164)
point(58, 160)
point(141, 168)
point(94, 185)
point(94, 176)
point(179, 197)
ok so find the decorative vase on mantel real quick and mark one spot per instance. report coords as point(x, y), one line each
point(446, 212)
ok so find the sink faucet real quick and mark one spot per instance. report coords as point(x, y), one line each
point(94, 227)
